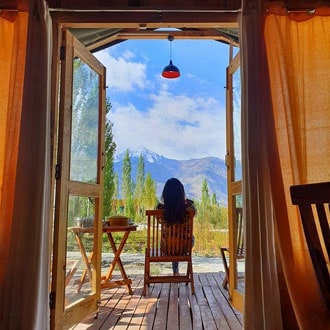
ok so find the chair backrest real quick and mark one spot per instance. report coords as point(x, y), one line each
point(313, 201)
point(164, 239)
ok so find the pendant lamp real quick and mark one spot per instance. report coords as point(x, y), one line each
point(171, 71)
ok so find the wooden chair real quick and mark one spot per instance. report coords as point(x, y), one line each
point(168, 243)
point(240, 252)
point(313, 201)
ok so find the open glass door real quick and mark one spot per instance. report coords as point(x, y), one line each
point(234, 178)
point(76, 267)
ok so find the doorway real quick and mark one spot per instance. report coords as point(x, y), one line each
point(96, 255)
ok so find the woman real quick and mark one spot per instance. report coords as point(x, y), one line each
point(175, 203)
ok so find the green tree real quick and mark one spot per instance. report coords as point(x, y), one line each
point(149, 193)
point(85, 121)
point(214, 201)
point(115, 200)
point(84, 132)
point(139, 185)
point(109, 173)
point(205, 194)
point(128, 187)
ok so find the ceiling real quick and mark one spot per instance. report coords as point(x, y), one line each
point(99, 24)
point(96, 39)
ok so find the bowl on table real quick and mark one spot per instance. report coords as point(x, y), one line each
point(118, 220)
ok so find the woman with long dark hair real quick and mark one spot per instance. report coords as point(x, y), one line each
point(174, 203)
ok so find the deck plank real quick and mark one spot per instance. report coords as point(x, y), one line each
point(173, 307)
point(127, 315)
point(153, 293)
point(185, 312)
point(162, 308)
point(166, 306)
point(141, 306)
point(109, 301)
point(113, 319)
point(215, 308)
point(207, 318)
point(234, 317)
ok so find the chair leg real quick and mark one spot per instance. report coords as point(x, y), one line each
point(191, 274)
point(146, 276)
point(226, 267)
point(225, 283)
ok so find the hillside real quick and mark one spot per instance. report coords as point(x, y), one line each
point(190, 172)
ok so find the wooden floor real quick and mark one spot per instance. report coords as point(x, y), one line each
point(167, 306)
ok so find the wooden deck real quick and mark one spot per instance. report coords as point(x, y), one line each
point(166, 306)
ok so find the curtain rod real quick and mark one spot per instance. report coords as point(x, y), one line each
point(144, 10)
point(309, 11)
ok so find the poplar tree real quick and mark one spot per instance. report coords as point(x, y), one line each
point(149, 193)
point(138, 192)
point(116, 197)
point(204, 205)
point(214, 201)
point(205, 194)
point(84, 123)
point(128, 187)
point(109, 173)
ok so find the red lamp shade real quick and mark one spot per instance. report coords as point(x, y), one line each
point(171, 71)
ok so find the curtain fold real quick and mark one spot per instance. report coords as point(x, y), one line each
point(25, 285)
point(262, 309)
point(286, 140)
point(299, 64)
point(13, 40)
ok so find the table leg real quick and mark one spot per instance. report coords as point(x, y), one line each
point(87, 261)
point(72, 271)
point(116, 260)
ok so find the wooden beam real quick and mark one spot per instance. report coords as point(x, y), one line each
point(145, 4)
point(210, 34)
point(182, 19)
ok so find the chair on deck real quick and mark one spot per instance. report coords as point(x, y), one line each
point(240, 252)
point(168, 243)
point(313, 201)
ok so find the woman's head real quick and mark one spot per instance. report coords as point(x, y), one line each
point(173, 190)
point(173, 197)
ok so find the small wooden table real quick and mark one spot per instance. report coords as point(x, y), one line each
point(106, 280)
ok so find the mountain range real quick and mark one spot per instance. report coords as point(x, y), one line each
point(190, 172)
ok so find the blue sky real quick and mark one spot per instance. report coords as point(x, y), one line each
point(181, 118)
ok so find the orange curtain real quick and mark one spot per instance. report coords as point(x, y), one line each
point(286, 139)
point(13, 40)
point(25, 168)
point(298, 54)
point(262, 301)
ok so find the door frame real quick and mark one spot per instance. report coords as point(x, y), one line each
point(234, 187)
point(62, 20)
point(61, 317)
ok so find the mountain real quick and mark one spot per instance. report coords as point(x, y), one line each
point(190, 172)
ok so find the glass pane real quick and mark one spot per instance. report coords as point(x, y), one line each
point(85, 123)
point(240, 252)
point(79, 248)
point(237, 124)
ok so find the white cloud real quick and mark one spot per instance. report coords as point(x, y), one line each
point(122, 73)
point(176, 126)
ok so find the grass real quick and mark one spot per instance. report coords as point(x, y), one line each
point(207, 241)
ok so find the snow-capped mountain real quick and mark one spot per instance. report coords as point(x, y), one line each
point(190, 172)
point(148, 155)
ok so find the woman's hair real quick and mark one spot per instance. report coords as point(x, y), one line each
point(173, 197)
